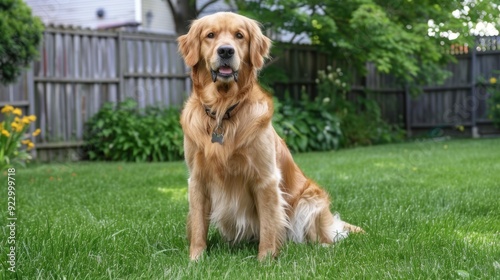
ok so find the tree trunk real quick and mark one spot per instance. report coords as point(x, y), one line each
point(184, 11)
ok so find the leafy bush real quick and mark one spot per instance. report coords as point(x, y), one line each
point(366, 127)
point(127, 133)
point(14, 141)
point(361, 121)
point(305, 125)
point(19, 39)
point(332, 120)
point(494, 100)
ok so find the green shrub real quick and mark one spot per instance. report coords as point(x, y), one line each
point(362, 124)
point(305, 125)
point(494, 99)
point(361, 121)
point(127, 133)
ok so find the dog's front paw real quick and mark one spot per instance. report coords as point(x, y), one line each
point(267, 251)
point(196, 252)
point(267, 255)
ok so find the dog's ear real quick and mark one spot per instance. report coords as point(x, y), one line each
point(189, 44)
point(259, 45)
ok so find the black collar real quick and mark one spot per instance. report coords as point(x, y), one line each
point(227, 115)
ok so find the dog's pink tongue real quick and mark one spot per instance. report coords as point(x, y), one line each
point(225, 70)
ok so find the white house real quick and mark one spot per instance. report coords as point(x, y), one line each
point(147, 15)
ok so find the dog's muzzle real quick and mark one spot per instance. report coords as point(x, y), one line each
point(225, 54)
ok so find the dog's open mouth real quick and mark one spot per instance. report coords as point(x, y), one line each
point(224, 72)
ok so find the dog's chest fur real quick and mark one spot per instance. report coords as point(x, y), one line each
point(231, 182)
point(233, 171)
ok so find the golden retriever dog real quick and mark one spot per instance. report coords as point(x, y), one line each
point(242, 176)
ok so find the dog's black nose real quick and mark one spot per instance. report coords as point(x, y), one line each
point(225, 51)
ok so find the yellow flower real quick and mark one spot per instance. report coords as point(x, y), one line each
point(7, 109)
point(17, 111)
point(36, 132)
point(493, 80)
point(6, 133)
point(32, 118)
point(25, 142)
point(30, 146)
point(26, 120)
point(17, 126)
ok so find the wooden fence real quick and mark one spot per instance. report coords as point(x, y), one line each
point(460, 102)
point(79, 70)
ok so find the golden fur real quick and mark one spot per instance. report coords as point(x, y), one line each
point(249, 187)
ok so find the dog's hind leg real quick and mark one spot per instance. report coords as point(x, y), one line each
point(353, 228)
point(332, 228)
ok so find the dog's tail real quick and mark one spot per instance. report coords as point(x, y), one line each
point(312, 221)
point(340, 229)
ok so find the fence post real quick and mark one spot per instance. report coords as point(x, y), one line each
point(119, 64)
point(407, 99)
point(473, 83)
point(30, 86)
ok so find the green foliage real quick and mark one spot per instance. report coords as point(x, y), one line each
point(305, 125)
point(409, 39)
point(365, 126)
point(494, 99)
point(126, 133)
point(20, 36)
point(332, 120)
point(361, 121)
point(271, 75)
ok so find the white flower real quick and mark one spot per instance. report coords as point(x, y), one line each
point(329, 68)
point(326, 100)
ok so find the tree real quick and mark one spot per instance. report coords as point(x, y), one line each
point(410, 39)
point(184, 11)
point(20, 36)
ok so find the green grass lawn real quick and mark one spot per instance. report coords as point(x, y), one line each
point(431, 211)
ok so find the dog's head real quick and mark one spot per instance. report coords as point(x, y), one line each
point(224, 46)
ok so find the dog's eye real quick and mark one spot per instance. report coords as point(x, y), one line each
point(239, 35)
point(211, 35)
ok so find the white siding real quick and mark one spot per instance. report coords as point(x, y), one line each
point(84, 13)
point(161, 17)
